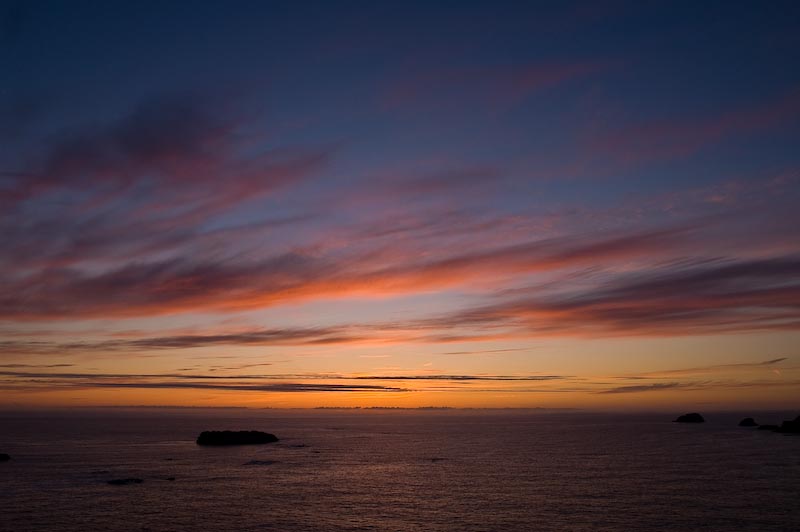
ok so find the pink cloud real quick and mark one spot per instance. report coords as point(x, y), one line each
point(680, 137)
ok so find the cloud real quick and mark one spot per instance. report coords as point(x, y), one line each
point(32, 381)
point(180, 285)
point(309, 376)
point(170, 143)
point(701, 385)
point(709, 369)
point(38, 381)
point(243, 366)
point(457, 378)
point(154, 185)
point(643, 388)
point(695, 298)
point(11, 366)
point(280, 387)
point(145, 216)
point(484, 351)
point(259, 337)
point(683, 136)
point(726, 296)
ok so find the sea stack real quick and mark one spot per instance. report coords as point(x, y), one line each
point(694, 417)
point(787, 427)
point(230, 437)
point(748, 422)
point(790, 427)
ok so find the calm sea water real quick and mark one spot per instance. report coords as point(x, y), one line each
point(396, 471)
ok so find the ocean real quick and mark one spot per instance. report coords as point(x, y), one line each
point(385, 470)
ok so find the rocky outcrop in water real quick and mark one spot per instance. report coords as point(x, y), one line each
point(694, 417)
point(231, 437)
point(790, 427)
point(125, 481)
point(748, 422)
point(4, 457)
point(787, 427)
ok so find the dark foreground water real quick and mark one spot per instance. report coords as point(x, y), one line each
point(396, 471)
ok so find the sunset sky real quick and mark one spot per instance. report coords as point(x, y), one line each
point(468, 204)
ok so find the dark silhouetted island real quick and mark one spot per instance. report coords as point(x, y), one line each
point(230, 437)
point(790, 427)
point(748, 422)
point(125, 481)
point(787, 427)
point(4, 457)
point(694, 417)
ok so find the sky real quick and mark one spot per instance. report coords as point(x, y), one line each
point(441, 203)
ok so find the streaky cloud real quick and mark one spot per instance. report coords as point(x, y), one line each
point(723, 297)
point(307, 376)
point(643, 388)
point(180, 285)
point(708, 369)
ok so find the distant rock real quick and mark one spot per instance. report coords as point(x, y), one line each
point(790, 427)
point(230, 437)
point(125, 481)
point(694, 417)
point(4, 457)
point(748, 422)
point(787, 427)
